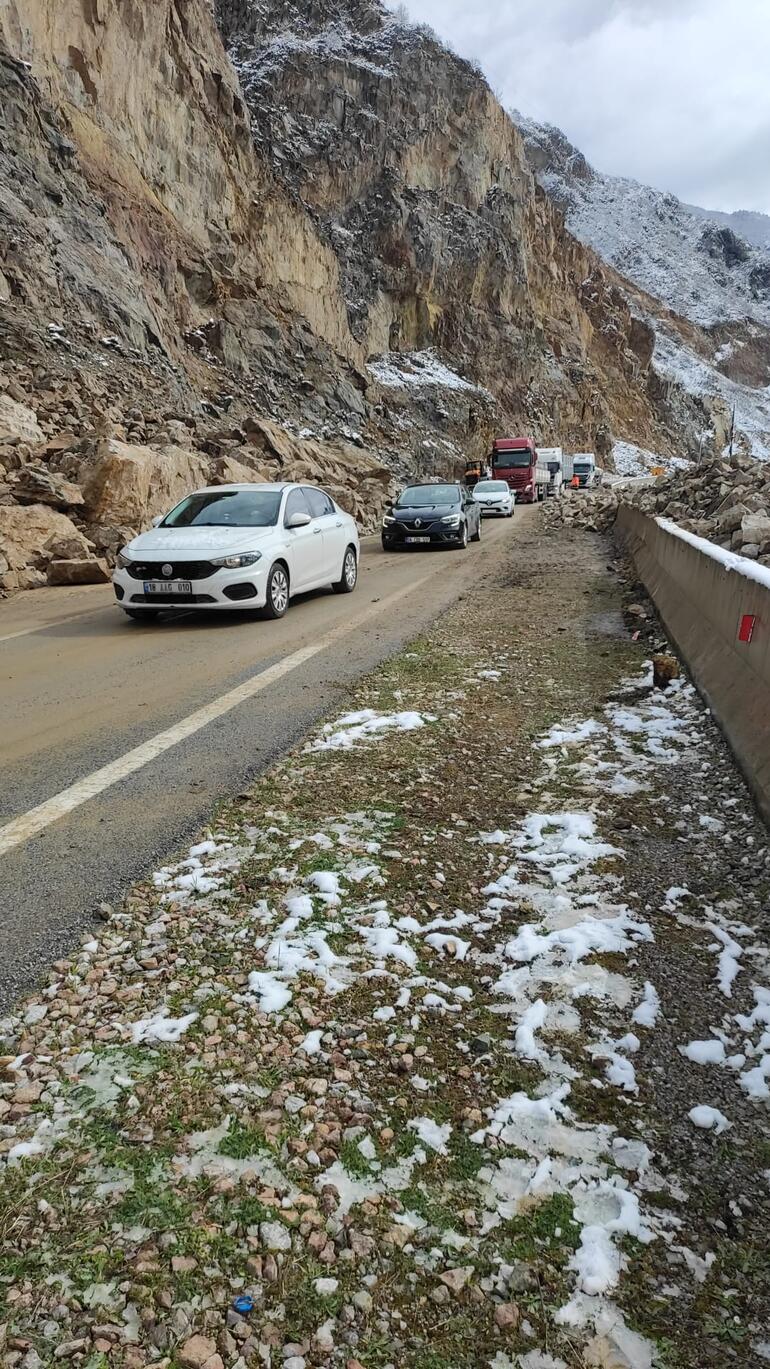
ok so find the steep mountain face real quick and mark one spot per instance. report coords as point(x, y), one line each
point(281, 239)
point(693, 263)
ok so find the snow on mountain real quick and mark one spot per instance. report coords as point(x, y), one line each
point(695, 264)
point(749, 224)
point(692, 262)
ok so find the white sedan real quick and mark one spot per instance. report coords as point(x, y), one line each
point(237, 547)
point(495, 497)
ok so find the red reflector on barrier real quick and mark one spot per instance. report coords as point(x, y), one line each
point(746, 629)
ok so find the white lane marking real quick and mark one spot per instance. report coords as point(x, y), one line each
point(46, 627)
point(33, 822)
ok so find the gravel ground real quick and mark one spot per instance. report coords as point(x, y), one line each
point(388, 1070)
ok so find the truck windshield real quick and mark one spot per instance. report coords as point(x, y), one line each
point(512, 460)
point(582, 466)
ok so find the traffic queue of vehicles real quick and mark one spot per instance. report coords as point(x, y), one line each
point(243, 546)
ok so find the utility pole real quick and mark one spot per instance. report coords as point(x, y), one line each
point(732, 433)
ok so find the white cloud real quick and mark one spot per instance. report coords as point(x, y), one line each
point(671, 92)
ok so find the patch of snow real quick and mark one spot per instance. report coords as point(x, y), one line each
point(646, 1013)
point(161, 1028)
point(431, 1133)
point(705, 1052)
point(708, 1119)
point(365, 725)
point(404, 370)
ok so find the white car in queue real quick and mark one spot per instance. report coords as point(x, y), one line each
point(494, 497)
point(239, 547)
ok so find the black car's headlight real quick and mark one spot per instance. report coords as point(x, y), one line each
point(453, 519)
point(387, 520)
point(122, 561)
point(244, 558)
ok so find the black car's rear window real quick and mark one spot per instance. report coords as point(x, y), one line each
point(423, 496)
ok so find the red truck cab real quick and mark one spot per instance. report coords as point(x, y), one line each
point(514, 459)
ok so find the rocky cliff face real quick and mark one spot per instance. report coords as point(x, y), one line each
point(280, 238)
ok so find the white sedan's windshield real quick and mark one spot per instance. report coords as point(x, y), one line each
point(491, 487)
point(226, 509)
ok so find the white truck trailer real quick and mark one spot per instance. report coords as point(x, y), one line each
point(553, 459)
point(582, 465)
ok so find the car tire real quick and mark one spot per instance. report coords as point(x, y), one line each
point(142, 615)
point(349, 577)
point(477, 534)
point(277, 591)
point(462, 545)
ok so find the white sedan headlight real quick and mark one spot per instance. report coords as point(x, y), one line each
point(122, 561)
point(244, 558)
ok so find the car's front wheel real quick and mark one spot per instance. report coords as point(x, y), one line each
point(141, 615)
point(277, 592)
point(463, 543)
point(477, 534)
point(347, 581)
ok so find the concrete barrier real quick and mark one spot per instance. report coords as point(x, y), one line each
point(702, 595)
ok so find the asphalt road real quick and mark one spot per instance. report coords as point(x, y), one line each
point(183, 712)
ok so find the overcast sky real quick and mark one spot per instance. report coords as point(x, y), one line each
point(675, 93)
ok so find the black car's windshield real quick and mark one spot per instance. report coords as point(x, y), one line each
point(491, 487)
point(226, 509)
point(423, 496)
point(516, 460)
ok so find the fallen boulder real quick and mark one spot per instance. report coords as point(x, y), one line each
point(18, 423)
point(86, 571)
point(36, 484)
point(26, 530)
point(128, 485)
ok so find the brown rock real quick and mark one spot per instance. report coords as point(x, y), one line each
point(229, 471)
point(35, 484)
point(507, 1316)
point(18, 423)
point(87, 571)
point(26, 532)
point(456, 1279)
point(130, 484)
point(200, 1353)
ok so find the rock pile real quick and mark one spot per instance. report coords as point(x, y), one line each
point(724, 500)
point(79, 477)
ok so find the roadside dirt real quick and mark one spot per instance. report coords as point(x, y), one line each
point(395, 1053)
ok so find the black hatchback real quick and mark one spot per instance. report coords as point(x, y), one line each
point(432, 515)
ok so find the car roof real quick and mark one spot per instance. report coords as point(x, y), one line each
point(430, 484)
point(275, 486)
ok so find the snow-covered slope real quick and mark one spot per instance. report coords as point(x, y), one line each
point(692, 263)
point(695, 264)
point(750, 225)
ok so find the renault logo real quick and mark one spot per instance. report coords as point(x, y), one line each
point(418, 522)
point(167, 569)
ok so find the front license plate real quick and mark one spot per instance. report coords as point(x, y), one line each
point(168, 586)
point(416, 539)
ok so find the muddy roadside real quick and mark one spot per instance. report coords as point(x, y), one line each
point(398, 1065)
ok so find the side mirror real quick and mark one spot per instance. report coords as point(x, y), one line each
point(156, 522)
point(298, 520)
